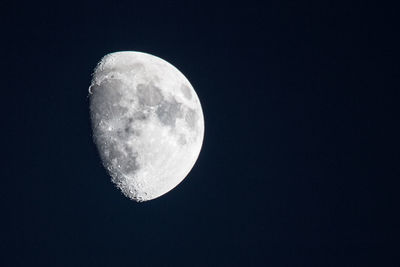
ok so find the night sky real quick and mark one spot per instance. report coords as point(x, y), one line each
point(300, 160)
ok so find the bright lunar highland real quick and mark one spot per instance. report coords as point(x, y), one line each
point(147, 123)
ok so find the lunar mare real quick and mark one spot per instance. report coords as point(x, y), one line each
point(147, 123)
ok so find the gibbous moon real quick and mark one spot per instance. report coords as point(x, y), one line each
point(147, 123)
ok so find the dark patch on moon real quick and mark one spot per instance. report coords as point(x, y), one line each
point(186, 91)
point(114, 158)
point(191, 118)
point(105, 101)
point(127, 129)
point(182, 139)
point(130, 164)
point(149, 94)
point(168, 112)
point(140, 115)
point(126, 132)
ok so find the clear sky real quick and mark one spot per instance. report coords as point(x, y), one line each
point(300, 161)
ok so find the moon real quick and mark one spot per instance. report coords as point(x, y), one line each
point(147, 123)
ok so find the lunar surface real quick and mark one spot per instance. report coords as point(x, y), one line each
point(147, 123)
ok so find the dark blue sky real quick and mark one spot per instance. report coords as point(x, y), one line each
point(300, 162)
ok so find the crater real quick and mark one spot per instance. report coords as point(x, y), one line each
point(104, 69)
